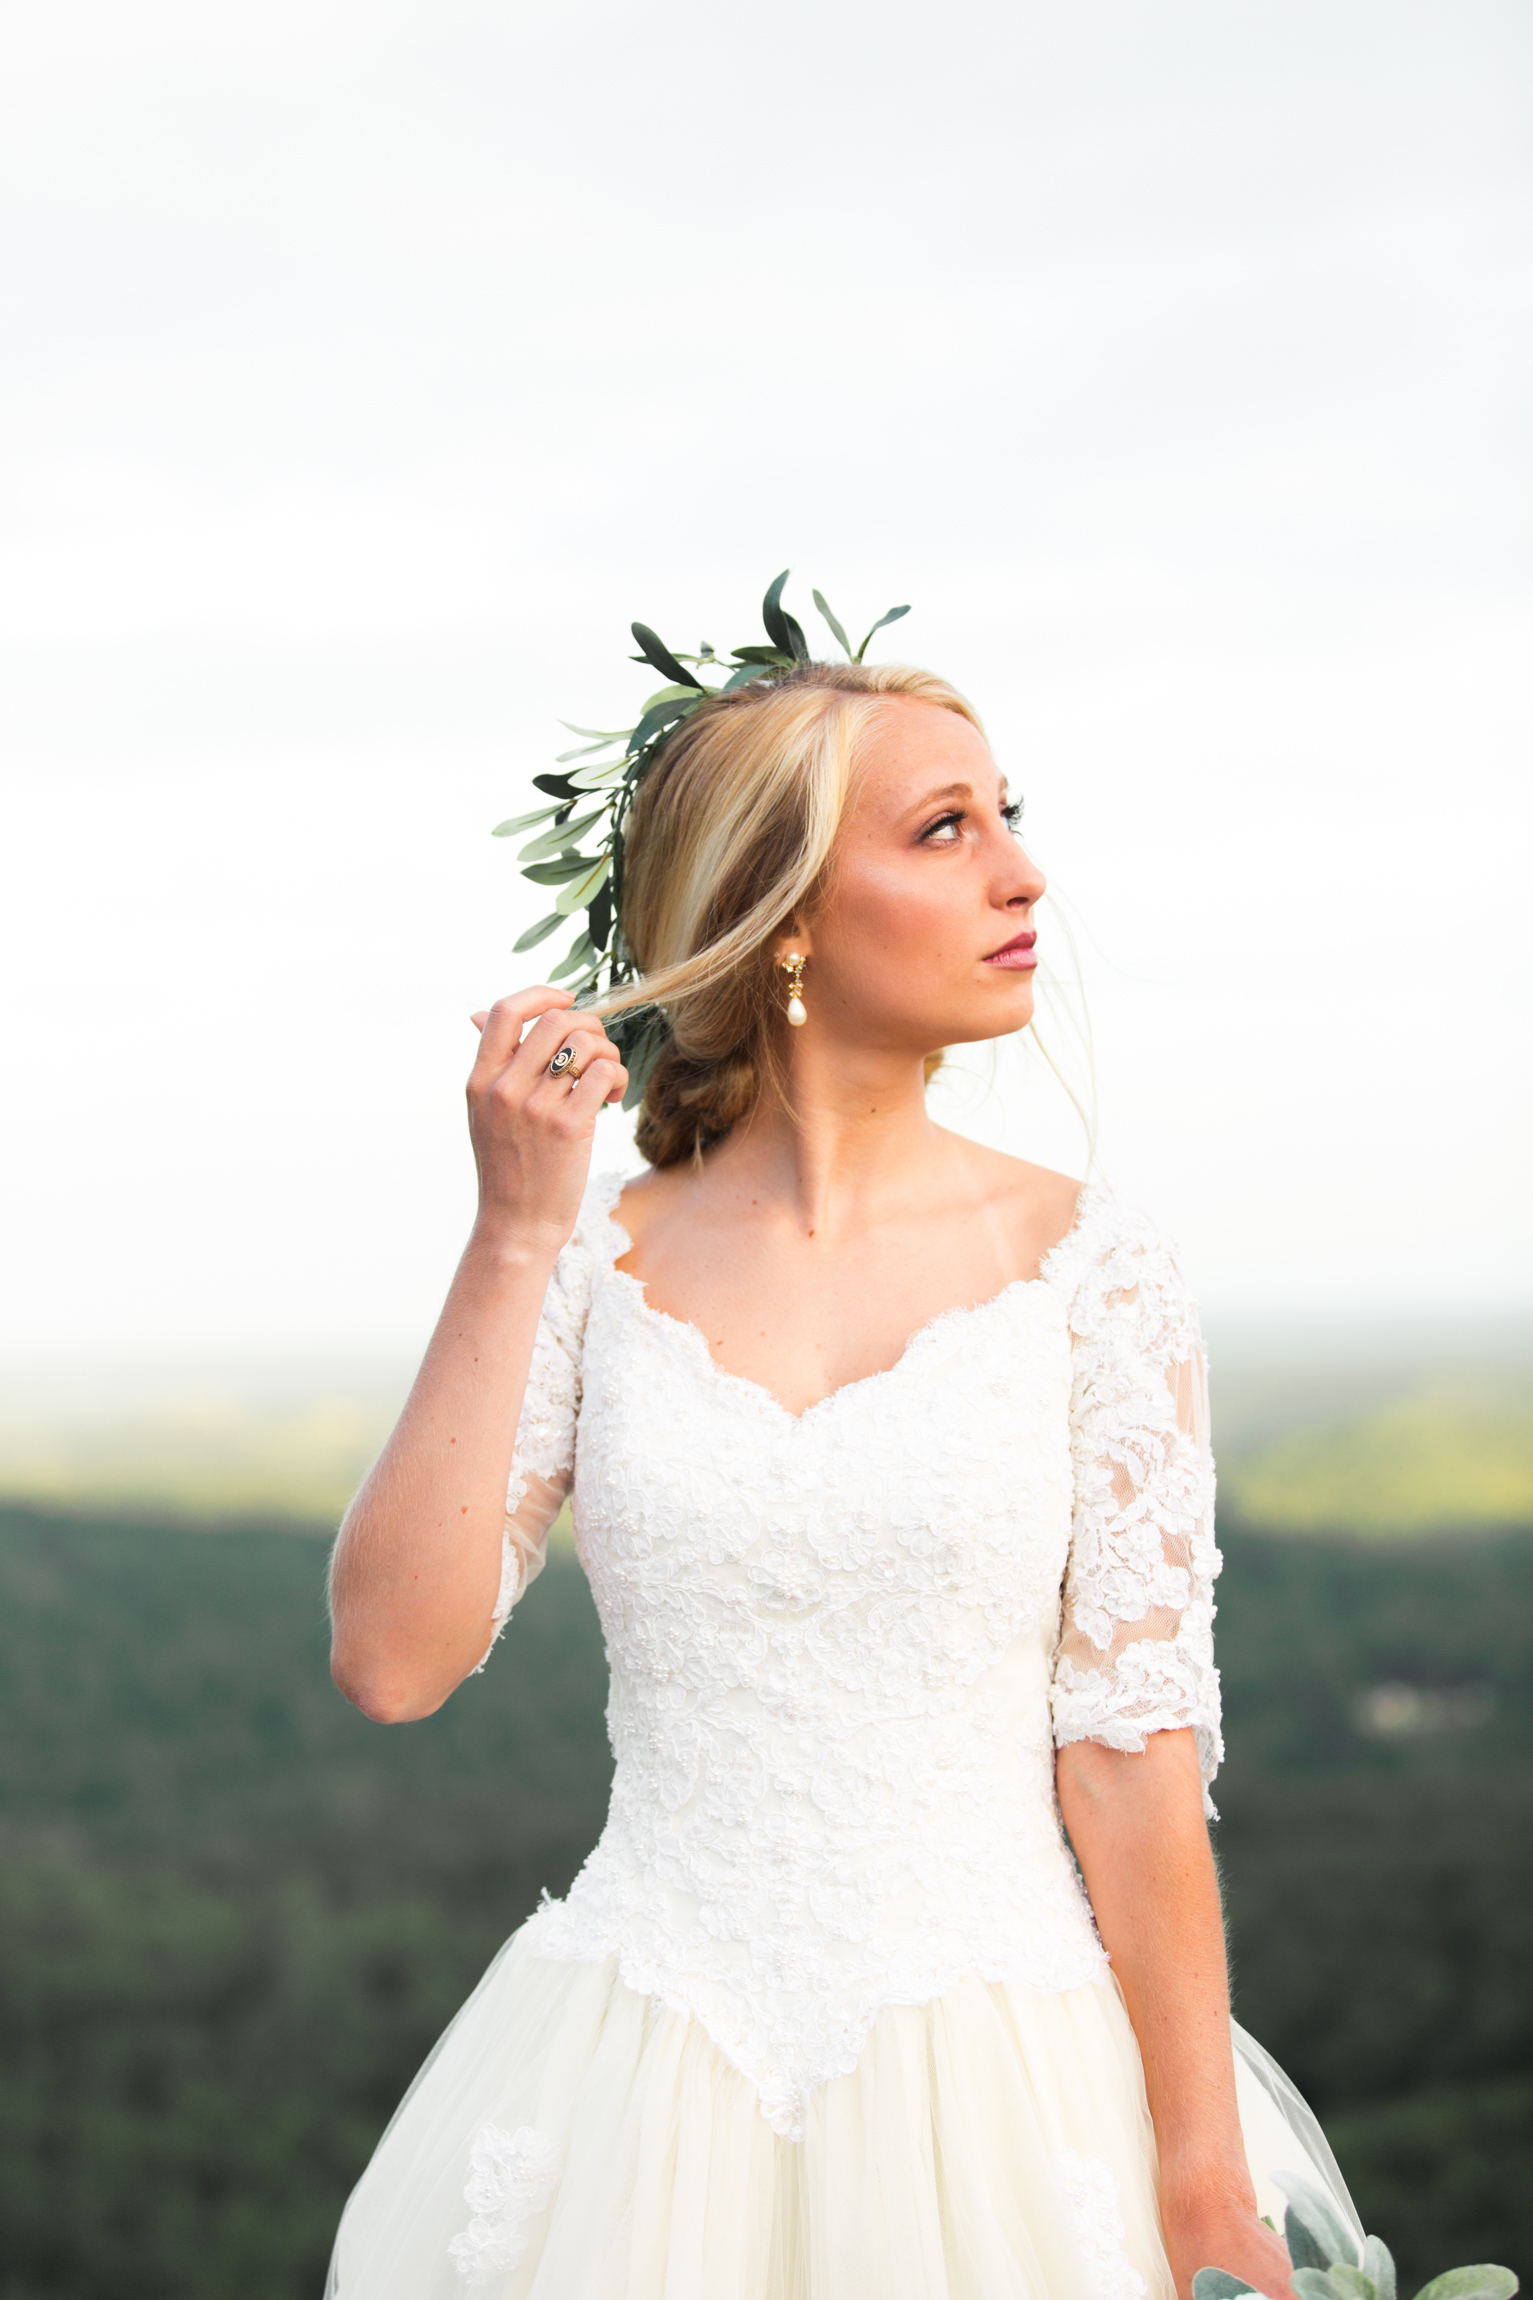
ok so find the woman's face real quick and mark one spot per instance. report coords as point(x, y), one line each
point(926, 938)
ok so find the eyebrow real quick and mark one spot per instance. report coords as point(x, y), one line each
point(950, 791)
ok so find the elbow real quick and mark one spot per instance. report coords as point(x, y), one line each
point(383, 1698)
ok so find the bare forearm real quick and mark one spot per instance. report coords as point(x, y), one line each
point(417, 1565)
point(1137, 1826)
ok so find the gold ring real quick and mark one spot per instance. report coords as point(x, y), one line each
point(563, 1065)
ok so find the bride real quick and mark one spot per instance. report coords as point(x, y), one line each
point(890, 1472)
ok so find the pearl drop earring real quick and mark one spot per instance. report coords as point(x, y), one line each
point(793, 968)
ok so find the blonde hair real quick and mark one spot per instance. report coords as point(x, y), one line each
point(731, 837)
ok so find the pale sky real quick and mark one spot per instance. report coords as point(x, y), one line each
point(368, 369)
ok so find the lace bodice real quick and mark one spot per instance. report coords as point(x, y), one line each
point(845, 1645)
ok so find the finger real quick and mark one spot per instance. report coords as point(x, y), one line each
point(577, 1028)
point(603, 1081)
point(480, 1019)
point(508, 1018)
point(573, 1053)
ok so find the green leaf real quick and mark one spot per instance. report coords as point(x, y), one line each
point(781, 629)
point(893, 616)
point(561, 871)
point(1483, 2283)
point(1312, 2227)
point(580, 890)
point(1218, 2284)
point(746, 676)
point(579, 958)
point(654, 650)
point(772, 615)
point(1314, 2284)
point(597, 778)
point(557, 786)
point(1378, 2263)
point(1349, 2283)
point(663, 715)
point(517, 823)
point(612, 734)
point(599, 917)
point(783, 661)
point(640, 1062)
point(671, 695)
point(563, 835)
point(538, 933)
point(565, 758)
point(837, 633)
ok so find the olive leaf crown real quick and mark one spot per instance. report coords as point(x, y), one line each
point(581, 850)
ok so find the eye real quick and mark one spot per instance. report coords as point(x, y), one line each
point(943, 832)
point(1011, 814)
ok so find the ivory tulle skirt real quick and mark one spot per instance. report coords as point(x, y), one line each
point(991, 2145)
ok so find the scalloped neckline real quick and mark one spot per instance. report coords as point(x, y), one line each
point(636, 1291)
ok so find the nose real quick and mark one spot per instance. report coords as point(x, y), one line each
point(1021, 882)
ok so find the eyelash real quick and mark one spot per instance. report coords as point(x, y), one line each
point(1011, 816)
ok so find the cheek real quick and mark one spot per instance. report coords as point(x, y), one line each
point(883, 911)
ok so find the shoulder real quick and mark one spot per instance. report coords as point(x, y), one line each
point(1117, 1267)
point(1037, 1207)
point(596, 1238)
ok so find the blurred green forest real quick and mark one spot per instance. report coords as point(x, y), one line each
point(235, 1915)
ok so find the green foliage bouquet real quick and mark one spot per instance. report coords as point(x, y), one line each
point(1326, 2266)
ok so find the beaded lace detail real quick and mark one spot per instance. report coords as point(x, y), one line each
point(1091, 2199)
point(845, 1644)
point(512, 2177)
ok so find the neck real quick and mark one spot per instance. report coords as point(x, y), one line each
point(855, 1139)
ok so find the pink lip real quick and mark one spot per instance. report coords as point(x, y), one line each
point(1017, 956)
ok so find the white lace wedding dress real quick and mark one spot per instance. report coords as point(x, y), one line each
point(825, 2015)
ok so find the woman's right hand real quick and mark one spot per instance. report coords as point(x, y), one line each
point(532, 1131)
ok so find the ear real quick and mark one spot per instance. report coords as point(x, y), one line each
point(793, 937)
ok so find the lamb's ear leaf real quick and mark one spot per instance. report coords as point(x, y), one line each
point(1218, 2284)
point(1312, 2227)
point(1315, 2284)
point(1483, 2283)
point(1304, 2248)
point(517, 823)
point(655, 650)
point(893, 616)
point(1349, 2283)
point(837, 633)
point(538, 933)
point(1378, 2262)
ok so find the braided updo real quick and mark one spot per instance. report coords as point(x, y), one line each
point(731, 836)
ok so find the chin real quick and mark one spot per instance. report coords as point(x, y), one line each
point(991, 1017)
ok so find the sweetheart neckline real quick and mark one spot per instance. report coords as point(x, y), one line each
point(623, 1244)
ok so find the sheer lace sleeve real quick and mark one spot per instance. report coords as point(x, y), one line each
point(1135, 1652)
point(543, 1462)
